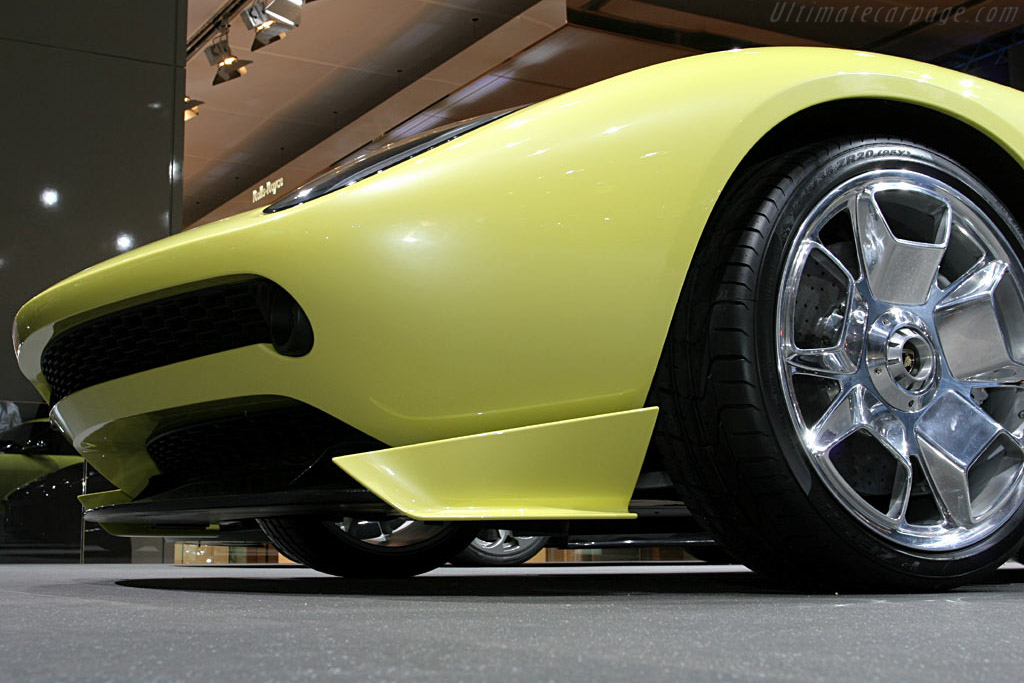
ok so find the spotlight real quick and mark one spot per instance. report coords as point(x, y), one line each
point(124, 242)
point(229, 67)
point(271, 19)
point(191, 108)
point(49, 197)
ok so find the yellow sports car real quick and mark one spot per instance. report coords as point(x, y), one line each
point(786, 280)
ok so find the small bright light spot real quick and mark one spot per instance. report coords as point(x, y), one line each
point(613, 129)
point(409, 239)
point(155, 105)
point(650, 154)
point(303, 193)
point(570, 172)
point(3, 262)
point(967, 82)
point(49, 197)
point(539, 152)
point(513, 144)
point(125, 242)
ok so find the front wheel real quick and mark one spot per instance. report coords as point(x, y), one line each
point(841, 386)
point(357, 548)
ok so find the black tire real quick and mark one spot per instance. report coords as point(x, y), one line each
point(324, 546)
point(724, 429)
point(493, 548)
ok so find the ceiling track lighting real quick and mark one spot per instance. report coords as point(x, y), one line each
point(191, 108)
point(229, 67)
point(271, 20)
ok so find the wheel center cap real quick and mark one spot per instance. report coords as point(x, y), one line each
point(909, 358)
point(902, 361)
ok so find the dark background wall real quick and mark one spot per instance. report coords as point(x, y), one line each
point(92, 141)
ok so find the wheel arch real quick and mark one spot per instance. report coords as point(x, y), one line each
point(980, 152)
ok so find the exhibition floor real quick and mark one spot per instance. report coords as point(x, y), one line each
point(664, 622)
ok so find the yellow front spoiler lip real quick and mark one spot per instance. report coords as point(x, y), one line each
point(585, 468)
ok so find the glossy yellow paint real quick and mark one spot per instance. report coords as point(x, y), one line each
point(522, 274)
point(588, 469)
point(91, 501)
point(17, 470)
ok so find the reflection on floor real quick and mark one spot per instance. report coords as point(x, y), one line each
point(204, 553)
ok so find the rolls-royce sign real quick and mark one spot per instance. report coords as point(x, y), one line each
point(267, 189)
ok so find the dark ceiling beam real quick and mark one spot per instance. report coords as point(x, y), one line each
point(696, 40)
point(880, 45)
point(995, 48)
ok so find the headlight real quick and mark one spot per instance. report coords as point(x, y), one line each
point(355, 167)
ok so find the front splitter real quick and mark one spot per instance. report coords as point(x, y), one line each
point(584, 468)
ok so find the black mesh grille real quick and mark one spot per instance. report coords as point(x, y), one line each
point(275, 446)
point(157, 333)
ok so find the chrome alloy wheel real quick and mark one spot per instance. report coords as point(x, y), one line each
point(499, 541)
point(397, 532)
point(900, 346)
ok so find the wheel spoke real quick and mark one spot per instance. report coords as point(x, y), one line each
point(891, 432)
point(953, 433)
point(843, 324)
point(981, 326)
point(899, 271)
point(824, 362)
point(850, 412)
point(857, 409)
point(900, 500)
point(367, 530)
point(949, 481)
point(797, 366)
point(861, 411)
point(497, 544)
